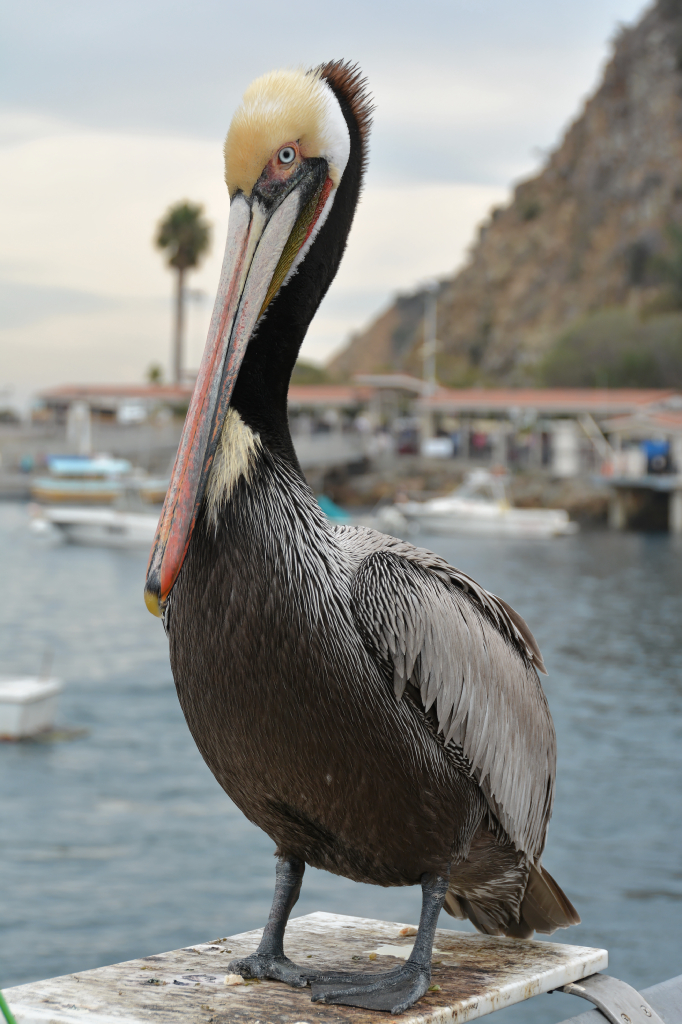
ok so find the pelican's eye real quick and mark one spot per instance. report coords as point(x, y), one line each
point(287, 155)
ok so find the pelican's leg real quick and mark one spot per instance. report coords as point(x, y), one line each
point(269, 960)
point(398, 989)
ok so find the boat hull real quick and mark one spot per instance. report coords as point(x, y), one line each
point(449, 517)
point(97, 527)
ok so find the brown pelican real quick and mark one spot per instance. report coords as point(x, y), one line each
point(374, 710)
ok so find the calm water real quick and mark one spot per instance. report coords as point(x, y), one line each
point(121, 844)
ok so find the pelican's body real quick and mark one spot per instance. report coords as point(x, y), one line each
point(375, 711)
point(298, 722)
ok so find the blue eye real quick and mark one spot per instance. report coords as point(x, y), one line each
point(287, 155)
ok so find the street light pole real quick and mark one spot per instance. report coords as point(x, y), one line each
point(430, 343)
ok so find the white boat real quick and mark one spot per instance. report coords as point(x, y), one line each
point(96, 527)
point(27, 706)
point(480, 506)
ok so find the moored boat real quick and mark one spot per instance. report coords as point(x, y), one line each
point(480, 506)
point(95, 527)
point(94, 480)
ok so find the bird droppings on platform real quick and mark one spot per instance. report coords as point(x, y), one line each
point(477, 974)
point(398, 952)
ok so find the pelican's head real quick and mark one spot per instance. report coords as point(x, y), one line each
point(288, 146)
point(296, 144)
point(295, 108)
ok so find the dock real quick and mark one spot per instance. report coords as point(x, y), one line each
point(472, 975)
point(654, 497)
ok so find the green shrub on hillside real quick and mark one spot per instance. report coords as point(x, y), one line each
point(308, 373)
point(613, 348)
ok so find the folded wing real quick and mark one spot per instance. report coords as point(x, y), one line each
point(474, 659)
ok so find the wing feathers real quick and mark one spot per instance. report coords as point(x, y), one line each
point(473, 657)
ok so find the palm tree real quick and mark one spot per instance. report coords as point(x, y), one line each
point(185, 235)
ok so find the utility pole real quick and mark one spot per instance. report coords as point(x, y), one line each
point(430, 343)
point(429, 354)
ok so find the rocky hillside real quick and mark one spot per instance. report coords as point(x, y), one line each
point(582, 235)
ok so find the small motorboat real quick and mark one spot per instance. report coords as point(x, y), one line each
point(94, 480)
point(96, 527)
point(480, 506)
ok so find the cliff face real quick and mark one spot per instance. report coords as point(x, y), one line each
point(577, 237)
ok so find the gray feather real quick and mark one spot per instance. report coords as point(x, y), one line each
point(472, 656)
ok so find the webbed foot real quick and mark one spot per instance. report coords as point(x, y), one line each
point(273, 967)
point(393, 991)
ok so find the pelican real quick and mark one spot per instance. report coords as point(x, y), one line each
point(373, 709)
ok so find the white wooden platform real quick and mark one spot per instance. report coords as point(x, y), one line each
point(472, 976)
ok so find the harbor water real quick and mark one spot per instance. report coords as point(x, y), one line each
point(118, 843)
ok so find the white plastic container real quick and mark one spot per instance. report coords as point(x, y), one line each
point(27, 706)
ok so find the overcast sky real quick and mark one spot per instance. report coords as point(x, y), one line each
point(111, 111)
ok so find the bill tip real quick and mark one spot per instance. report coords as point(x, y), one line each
point(153, 604)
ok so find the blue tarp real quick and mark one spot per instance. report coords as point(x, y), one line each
point(653, 448)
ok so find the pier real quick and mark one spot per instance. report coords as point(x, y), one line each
point(651, 499)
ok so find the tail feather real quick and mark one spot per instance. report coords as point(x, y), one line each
point(462, 908)
point(453, 907)
point(545, 907)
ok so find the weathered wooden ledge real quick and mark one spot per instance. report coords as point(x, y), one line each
point(472, 976)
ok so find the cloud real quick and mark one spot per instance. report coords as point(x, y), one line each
point(79, 208)
point(167, 68)
point(85, 347)
point(114, 111)
point(79, 271)
point(25, 305)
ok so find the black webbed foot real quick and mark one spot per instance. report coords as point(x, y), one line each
point(393, 991)
point(274, 967)
point(400, 988)
point(269, 960)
